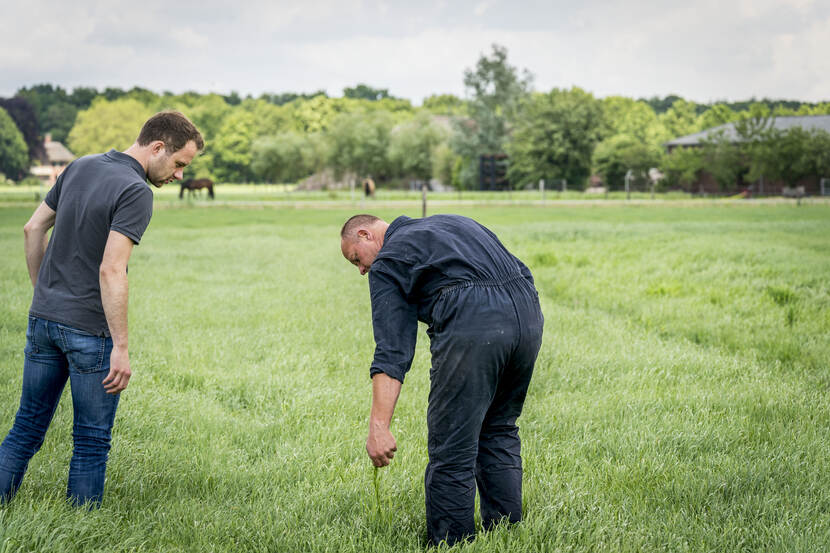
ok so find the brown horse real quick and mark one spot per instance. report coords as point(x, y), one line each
point(192, 185)
point(369, 187)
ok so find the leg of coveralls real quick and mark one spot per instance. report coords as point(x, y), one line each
point(466, 357)
point(499, 463)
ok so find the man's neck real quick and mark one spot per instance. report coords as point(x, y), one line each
point(140, 154)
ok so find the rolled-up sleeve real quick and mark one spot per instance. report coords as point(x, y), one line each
point(395, 324)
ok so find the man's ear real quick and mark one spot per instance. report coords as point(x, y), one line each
point(157, 146)
point(364, 234)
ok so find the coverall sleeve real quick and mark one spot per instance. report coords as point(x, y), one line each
point(395, 324)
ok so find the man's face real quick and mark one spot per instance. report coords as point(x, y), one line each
point(361, 250)
point(164, 167)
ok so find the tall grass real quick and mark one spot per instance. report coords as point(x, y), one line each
point(679, 403)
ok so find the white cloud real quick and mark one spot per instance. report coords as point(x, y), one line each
point(703, 50)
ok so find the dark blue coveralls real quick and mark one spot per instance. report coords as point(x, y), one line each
point(485, 329)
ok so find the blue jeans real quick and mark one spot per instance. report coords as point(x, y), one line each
point(55, 353)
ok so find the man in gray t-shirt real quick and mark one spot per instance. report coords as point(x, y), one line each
point(77, 331)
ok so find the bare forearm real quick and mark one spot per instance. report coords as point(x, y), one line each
point(34, 244)
point(114, 297)
point(385, 392)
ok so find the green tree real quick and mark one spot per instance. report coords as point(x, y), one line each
point(680, 119)
point(24, 116)
point(231, 151)
point(496, 89)
point(617, 155)
point(554, 137)
point(413, 144)
point(14, 156)
point(635, 119)
point(107, 125)
point(281, 159)
point(208, 113)
point(681, 168)
point(366, 92)
point(360, 143)
point(723, 158)
point(717, 115)
point(789, 155)
point(445, 104)
point(59, 119)
point(818, 149)
point(146, 97)
point(82, 96)
point(444, 162)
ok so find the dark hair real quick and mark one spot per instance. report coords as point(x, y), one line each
point(357, 221)
point(172, 128)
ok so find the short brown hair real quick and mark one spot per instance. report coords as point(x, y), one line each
point(357, 221)
point(172, 128)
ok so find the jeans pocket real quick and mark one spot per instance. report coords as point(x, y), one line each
point(84, 352)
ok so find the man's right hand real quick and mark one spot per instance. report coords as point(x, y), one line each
point(120, 373)
point(380, 445)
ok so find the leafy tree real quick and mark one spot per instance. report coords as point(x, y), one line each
point(718, 114)
point(146, 97)
point(14, 158)
point(233, 99)
point(113, 93)
point(818, 149)
point(661, 105)
point(445, 104)
point(269, 119)
point(25, 117)
point(790, 155)
point(366, 92)
point(635, 119)
point(313, 115)
point(723, 159)
point(681, 168)
point(616, 155)
point(680, 119)
point(59, 119)
point(285, 97)
point(555, 136)
point(82, 96)
point(444, 162)
point(496, 90)
point(280, 158)
point(360, 143)
point(208, 113)
point(412, 146)
point(107, 125)
point(232, 147)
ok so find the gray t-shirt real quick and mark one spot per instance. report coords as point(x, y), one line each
point(94, 195)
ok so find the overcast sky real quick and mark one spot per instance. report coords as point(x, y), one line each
point(702, 50)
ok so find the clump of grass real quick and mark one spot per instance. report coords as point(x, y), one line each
point(544, 259)
point(377, 491)
point(781, 295)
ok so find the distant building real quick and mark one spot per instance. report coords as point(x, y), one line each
point(806, 122)
point(55, 160)
point(706, 183)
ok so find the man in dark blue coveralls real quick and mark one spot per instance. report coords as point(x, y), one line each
point(485, 329)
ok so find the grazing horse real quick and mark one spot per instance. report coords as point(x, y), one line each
point(192, 185)
point(369, 188)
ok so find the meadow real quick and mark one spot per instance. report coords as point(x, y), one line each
point(679, 403)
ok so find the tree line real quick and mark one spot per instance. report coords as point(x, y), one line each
point(562, 134)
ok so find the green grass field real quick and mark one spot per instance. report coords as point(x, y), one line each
point(680, 400)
